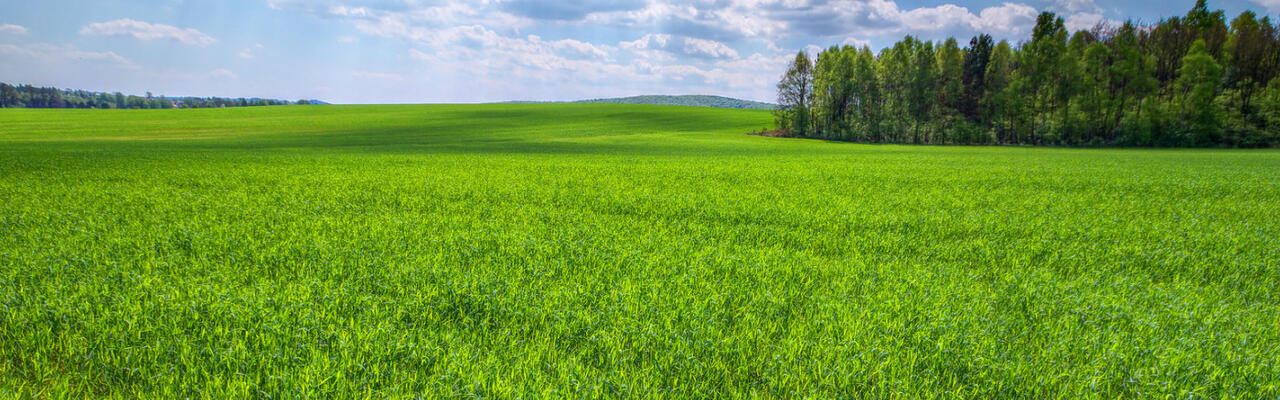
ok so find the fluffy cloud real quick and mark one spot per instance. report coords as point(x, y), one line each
point(884, 17)
point(1075, 6)
point(147, 31)
point(1082, 14)
point(54, 54)
point(1085, 21)
point(566, 10)
point(734, 20)
point(678, 45)
point(708, 48)
point(1013, 20)
point(733, 47)
point(11, 29)
point(855, 42)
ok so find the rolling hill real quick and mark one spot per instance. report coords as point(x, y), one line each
point(664, 100)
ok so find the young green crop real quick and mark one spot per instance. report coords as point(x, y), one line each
point(549, 251)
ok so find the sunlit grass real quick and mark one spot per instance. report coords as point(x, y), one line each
point(545, 251)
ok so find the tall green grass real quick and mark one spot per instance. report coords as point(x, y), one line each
point(551, 251)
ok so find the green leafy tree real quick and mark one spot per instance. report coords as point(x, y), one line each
point(1001, 101)
point(921, 87)
point(895, 70)
point(1132, 79)
point(950, 85)
point(1198, 84)
point(833, 82)
point(976, 58)
point(1097, 104)
point(8, 96)
point(867, 99)
point(1188, 80)
point(1042, 68)
point(794, 92)
point(1252, 59)
point(1209, 26)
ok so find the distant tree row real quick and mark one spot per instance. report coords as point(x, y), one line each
point(1193, 81)
point(27, 96)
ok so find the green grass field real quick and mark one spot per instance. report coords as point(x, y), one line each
point(583, 251)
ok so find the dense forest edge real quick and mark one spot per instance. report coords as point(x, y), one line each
point(27, 96)
point(1192, 81)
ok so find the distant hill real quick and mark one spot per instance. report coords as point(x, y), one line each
point(691, 100)
point(694, 100)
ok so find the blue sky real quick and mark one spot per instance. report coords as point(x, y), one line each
point(419, 51)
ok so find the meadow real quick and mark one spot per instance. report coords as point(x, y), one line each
point(617, 251)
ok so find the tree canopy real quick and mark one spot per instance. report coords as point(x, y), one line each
point(1188, 81)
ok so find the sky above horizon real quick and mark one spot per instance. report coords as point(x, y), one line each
point(433, 51)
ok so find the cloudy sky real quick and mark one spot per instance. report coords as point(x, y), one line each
point(416, 51)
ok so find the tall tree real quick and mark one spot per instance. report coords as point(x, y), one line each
point(866, 96)
point(976, 58)
point(1042, 67)
point(1168, 41)
point(1131, 74)
point(1252, 61)
point(833, 86)
point(794, 92)
point(921, 88)
point(895, 71)
point(1097, 102)
point(950, 84)
point(1188, 80)
point(1198, 83)
point(999, 103)
point(8, 96)
point(1210, 26)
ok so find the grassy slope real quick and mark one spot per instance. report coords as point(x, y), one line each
point(627, 250)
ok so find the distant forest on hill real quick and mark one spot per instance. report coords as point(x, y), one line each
point(1193, 81)
point(693, 100)
point(27, 96)
point(665, 100)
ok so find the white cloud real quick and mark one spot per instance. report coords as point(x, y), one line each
point(223, 73)
point(652, 40)
point(1076, 6)
point(572, 46)
point(61, 54)
point(678, 43)
point(1084, 14)
point(709, 48)
point(251, 51)
point(1085, 21)
point(147, 31)
point(855, 42)
point(11, 29)
point(648, 45)
point(1009, 19)
point(1273, 5)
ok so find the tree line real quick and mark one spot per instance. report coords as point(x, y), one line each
point(27, 96)
point(1192, 81)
